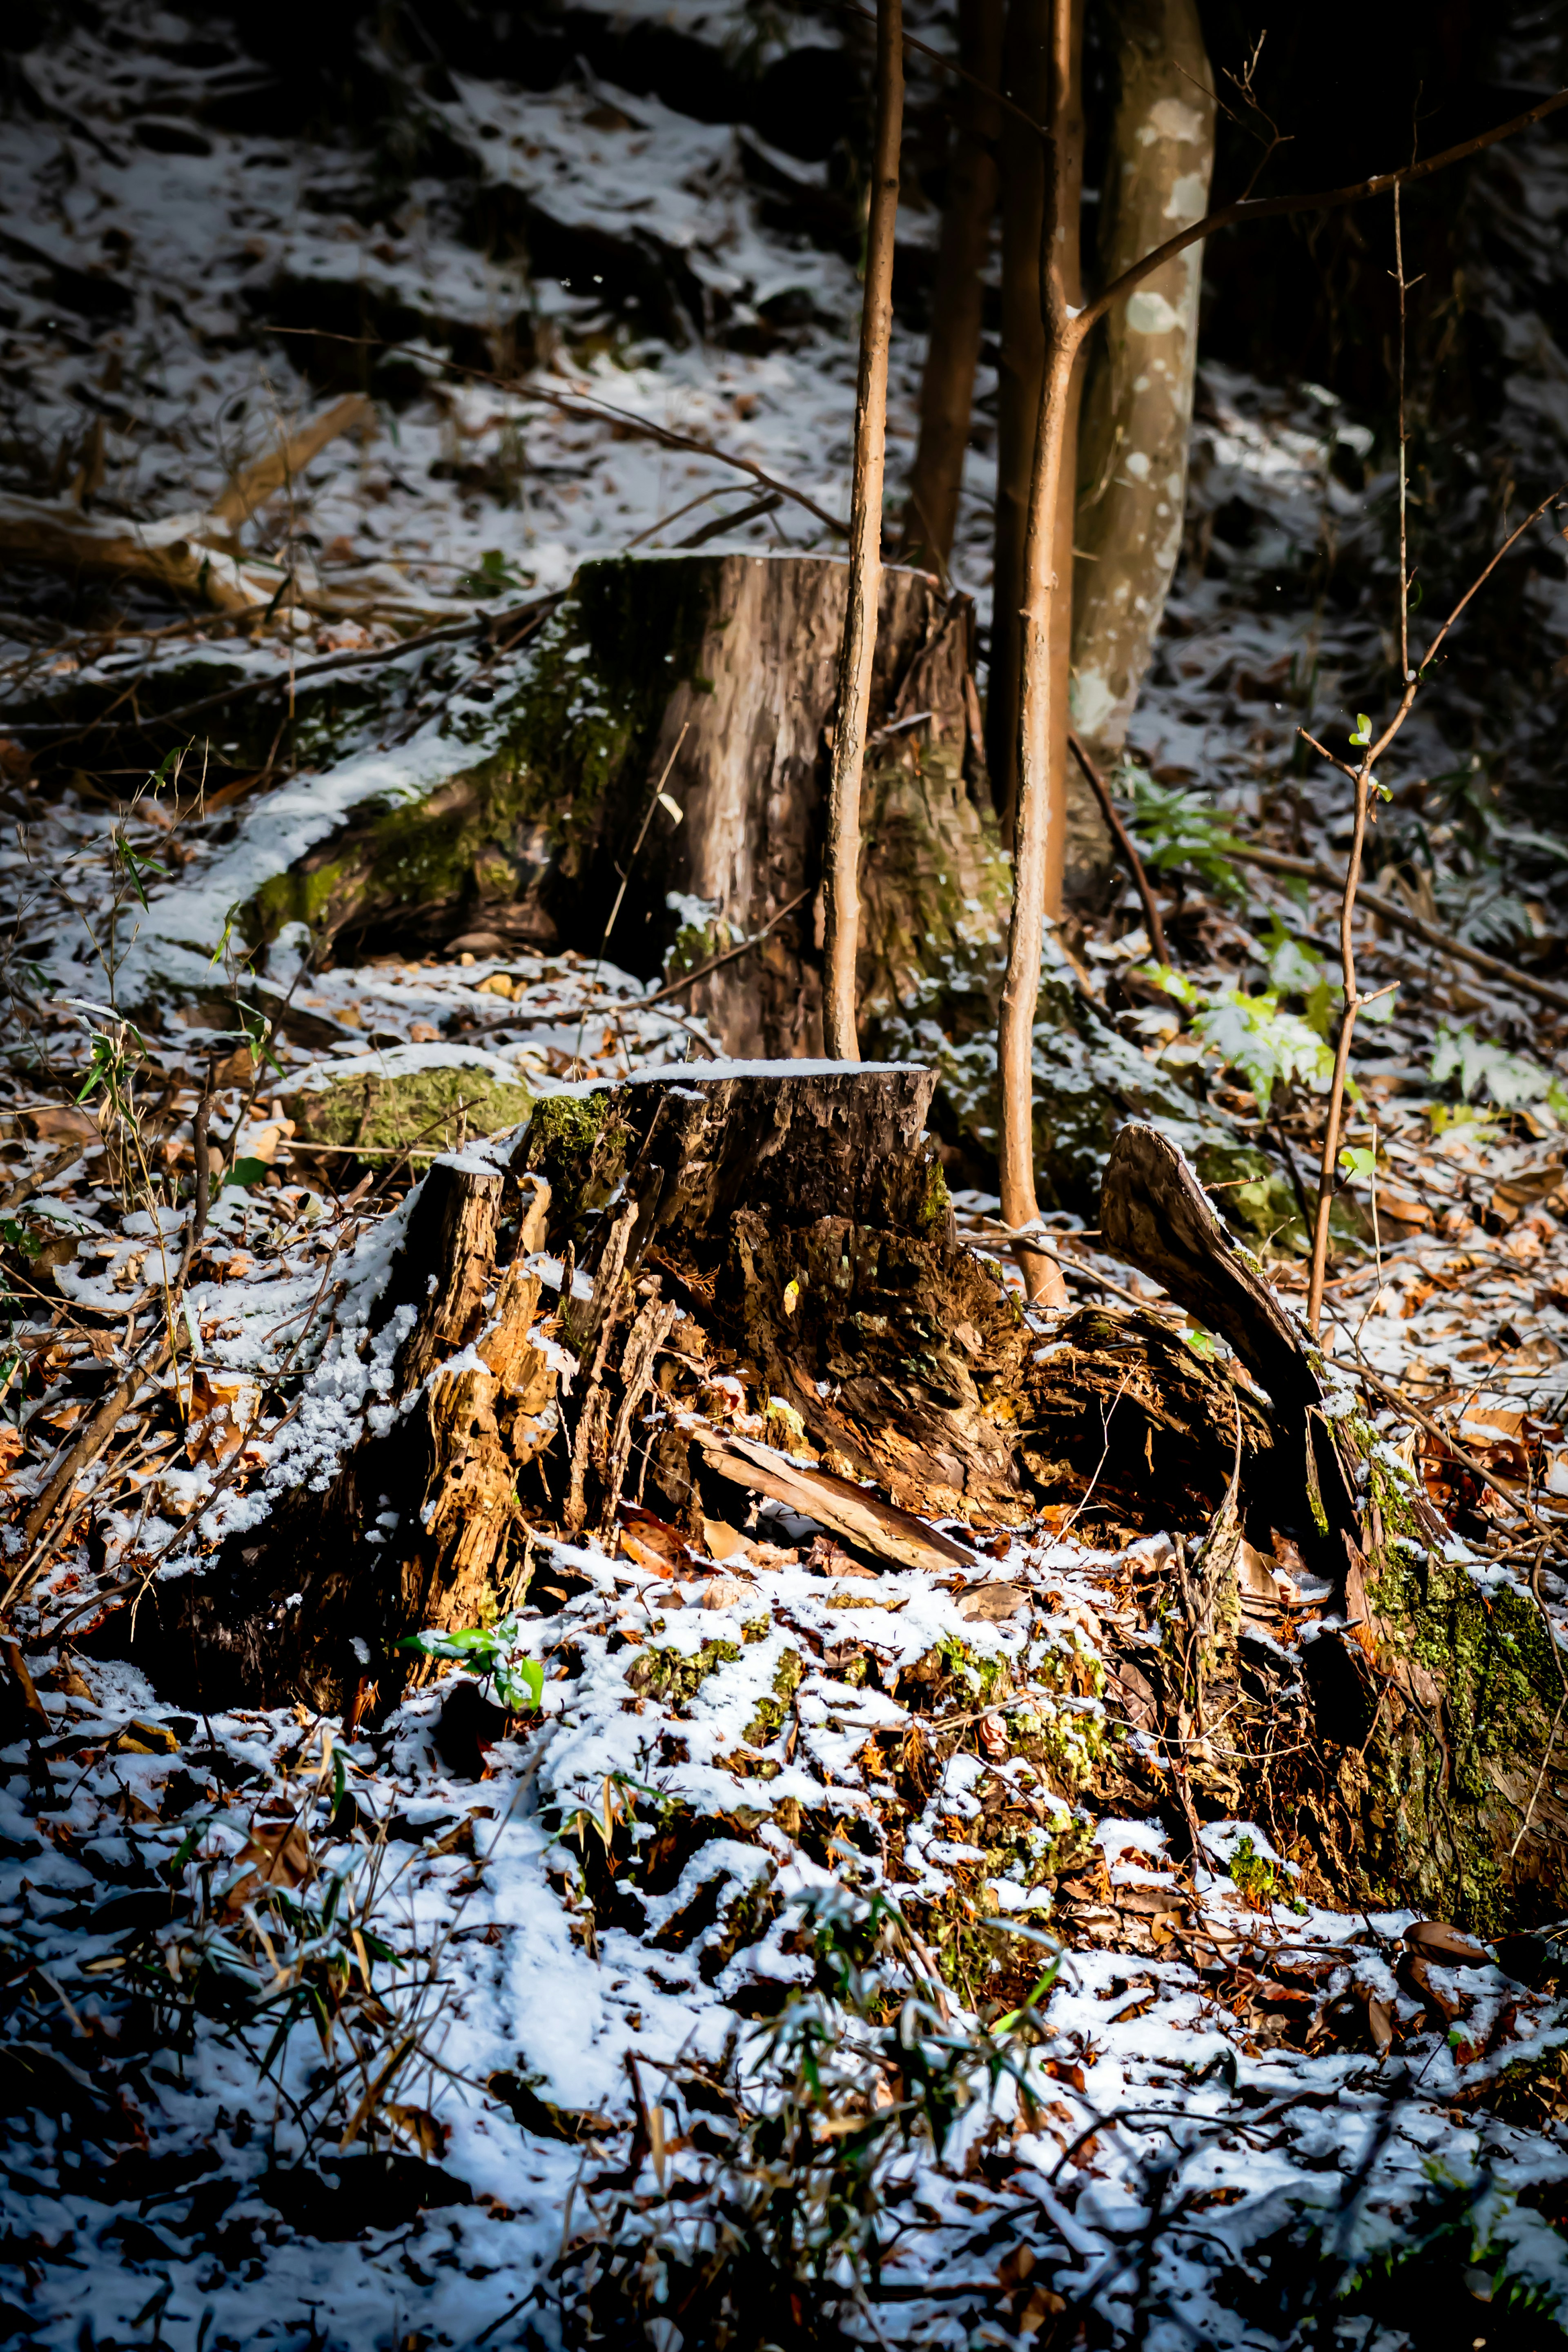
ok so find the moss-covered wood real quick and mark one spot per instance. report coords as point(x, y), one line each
point(715, 673)
point(1416, 1757)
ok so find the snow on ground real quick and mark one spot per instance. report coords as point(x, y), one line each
point(1225, 2079)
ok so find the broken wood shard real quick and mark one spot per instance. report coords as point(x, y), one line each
point(853, 1512)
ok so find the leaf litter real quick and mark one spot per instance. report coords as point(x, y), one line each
point(458, 2027)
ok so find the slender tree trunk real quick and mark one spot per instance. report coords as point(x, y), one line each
point(1042, 714)
point(947, 388)
point(1027, 81)
point(841, 892)
point(1137, 388)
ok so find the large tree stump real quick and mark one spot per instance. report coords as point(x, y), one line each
point(789, 1232)
point(775, 1305)
point(719, 669)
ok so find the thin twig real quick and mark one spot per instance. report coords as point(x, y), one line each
point(1362, 777)
point(1125, 843)
point(585, 405)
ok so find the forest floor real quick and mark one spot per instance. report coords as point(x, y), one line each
point(1242, 2119)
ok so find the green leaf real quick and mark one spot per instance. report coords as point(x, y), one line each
point(1357, 1160)
point(1362, 730)
point(228, 923)
point(1177, 829)
point(246, 1173)
point(521, 1685)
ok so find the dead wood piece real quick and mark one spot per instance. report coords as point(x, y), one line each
point(647, 1336)
point(417, 1525)
point(1154, 1211)
point(254, 483)
point(1118, 1410)
point(859, 1516)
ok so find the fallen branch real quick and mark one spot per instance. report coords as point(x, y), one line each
point(857, 1513)
point(193, 554)
point(1389, 910)
point(255, 483)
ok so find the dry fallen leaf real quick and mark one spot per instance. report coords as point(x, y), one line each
point(1435, 1939)
point(222, 1413)
point(61, 1123)
point(277, 1854)
point(727, 1591)
point(991, 1601)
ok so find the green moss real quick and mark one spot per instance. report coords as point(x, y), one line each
point(1440, 1823)
point(578, 1144)
point(1255, 1877)
point(765, 1726)
point(559, 765)
point(674, 1677)
point(433, 1108)
point(936, 1207)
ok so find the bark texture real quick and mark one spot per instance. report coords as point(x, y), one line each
point(947, 385)
point(1138, 394)
point(841, 890)
point(741, 652)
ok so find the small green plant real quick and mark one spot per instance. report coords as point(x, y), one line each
point(1254, 1877)
point(491, 1652)
point(492, 576)
point(1513, 1080)
point(1180, 829)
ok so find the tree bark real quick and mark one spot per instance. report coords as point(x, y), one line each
point(947, 386)
point(728, 662)
point(1042, 74)
point(841, 880)
point(1138, 390)
point(1042, 706)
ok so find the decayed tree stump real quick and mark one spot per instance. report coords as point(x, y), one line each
point(793, 1227)
point(761, 1290)
point(716, 674)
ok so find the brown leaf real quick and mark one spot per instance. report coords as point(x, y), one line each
point(279, 1856)
point(13, 1445)
point(1435, 1939)
point(1380, 2024)
point(62, 1123)
point(991, 1601)
point(993, 1738)
point(651, 1541)
point(222, 1411)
